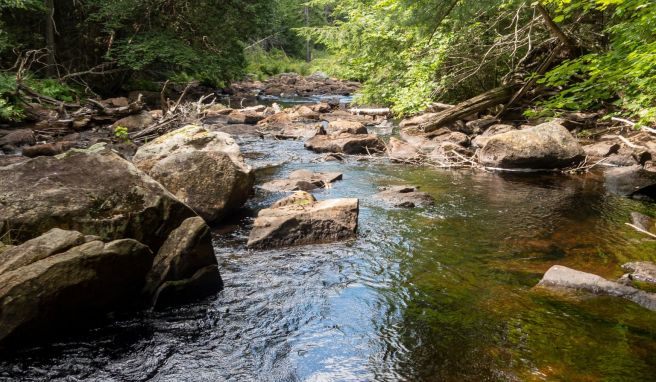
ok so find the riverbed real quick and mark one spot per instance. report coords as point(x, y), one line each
point(444, 293)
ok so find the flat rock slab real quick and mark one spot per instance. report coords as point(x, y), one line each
point(559, 277)
point(302, 180)
point(405, 197)
point(346, 143)
point(296, 224)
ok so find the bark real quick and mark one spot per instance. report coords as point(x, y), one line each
point(50, 36)
point(555, 29)
point(471, 106)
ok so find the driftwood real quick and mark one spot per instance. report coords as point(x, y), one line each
point(381, 111)
point(471, 106)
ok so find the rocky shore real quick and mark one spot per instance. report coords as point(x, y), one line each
point(94, 221)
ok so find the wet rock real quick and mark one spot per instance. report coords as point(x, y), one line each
point(631, 181)
point(279, 118)
point(401, 151)
point(48, 149)
point(302, 180)
point(294, 224)
point(405, 197)
point(92, 191)
point(322, 107)
point(346, 143)
point(304, 113)
point(640, 271)
point(301, 198)
point(546, 146)
point(238, 130)
point(200, 166)
point(203, 283)
point(478, 126)
point(67, 288)
point(136, 122)
point(491, 131)
point(187, 250)
point(342, 126)
point(559, 277)
point(296, 131)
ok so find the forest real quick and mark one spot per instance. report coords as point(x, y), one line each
point(327, 190)
point(581, 55)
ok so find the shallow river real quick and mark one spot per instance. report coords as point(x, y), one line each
point(438, 294)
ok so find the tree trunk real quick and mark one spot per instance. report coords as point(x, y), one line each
point(308, 51)
point(50, 37)
point(555, 29)
point(471, 106)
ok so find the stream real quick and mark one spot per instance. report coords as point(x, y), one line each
point(437, 294)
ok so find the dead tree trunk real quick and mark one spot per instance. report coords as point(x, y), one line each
point(471, 106)
point(554, 29)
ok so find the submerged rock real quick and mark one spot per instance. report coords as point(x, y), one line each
point(405, 197)
point(202, 167)
point(401, 151)
point(640, 271)
point(546, 146)
point(559, 277)
point(632, 181)
point(346, 143)
point(296, 224)
point(302, 180)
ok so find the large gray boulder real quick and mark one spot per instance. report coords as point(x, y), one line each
point(546, 146)
point(200, 166)
point(305, 223)
point(563, 278)
point(70, 287)
point(94, 191)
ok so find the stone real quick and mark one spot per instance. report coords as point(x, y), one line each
point(93, 191)
point(301, 198)
point(417, 120)
point(116, 102)
point(342, 126)
point(52, 242)
point(491, 131)
point(479, 125)
point(135, 122)
point(632, 181)
point(302, 180)
point(546, 146)
point(641, 271)
point(187, 250)
point(346, 143)
point(48, 149)
point(18, 138)
point(601, 149)
point(69, 288)
point(201, 284)
point(294, 224)
point(405, 197)
point(563, 278)
point(401, 151)
point(201, 166)
point(246, 117)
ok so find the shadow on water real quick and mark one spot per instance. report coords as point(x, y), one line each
point(437, 294)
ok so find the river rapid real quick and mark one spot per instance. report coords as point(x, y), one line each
point(444, 293)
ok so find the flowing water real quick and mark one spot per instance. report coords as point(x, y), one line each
point(437, 294)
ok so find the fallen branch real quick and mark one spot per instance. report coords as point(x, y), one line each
point(641, 230)
point(381, 111)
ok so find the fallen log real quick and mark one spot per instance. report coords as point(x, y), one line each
point(381, 111)
point(471, 106)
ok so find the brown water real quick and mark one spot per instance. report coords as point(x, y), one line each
point(437, 294)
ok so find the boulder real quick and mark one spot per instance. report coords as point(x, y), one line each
point(187, 251)
point(136, 122)
point(247, 117)
point(632, 181)
point(563, 278)
point(346, 143)
point(301, 198)
point(296, 224)
point(601, 149)
point(18, 138)
point(201, 166)
point(546, 146)
point(405, 197)
point(491, 131)
point(92, 191)
point(479, 125)
point(302, 180)
point(401, 151)
point(68, 288)
point(342, 126)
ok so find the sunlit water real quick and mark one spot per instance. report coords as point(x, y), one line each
point(437, 294)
